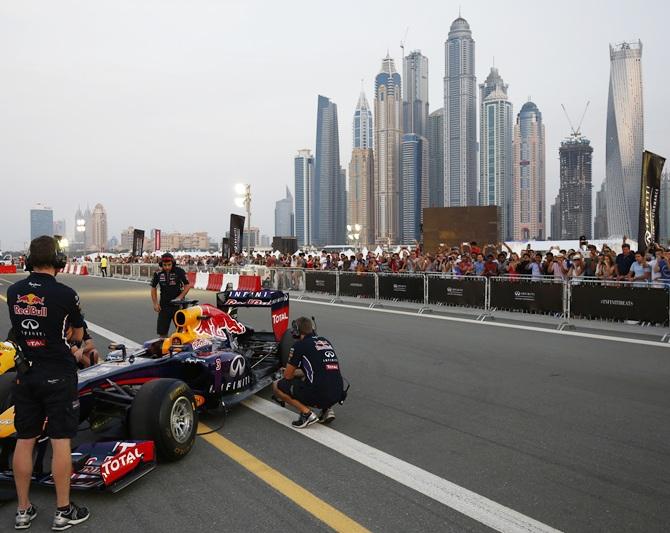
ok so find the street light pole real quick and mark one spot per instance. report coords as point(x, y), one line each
point(247, 205)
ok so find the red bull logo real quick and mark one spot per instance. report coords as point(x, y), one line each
point(30, 299)
point(218, 323)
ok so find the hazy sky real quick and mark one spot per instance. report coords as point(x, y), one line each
point(157, 108)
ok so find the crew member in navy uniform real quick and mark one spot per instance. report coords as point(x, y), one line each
point(39, 308)
point(174, 285)
point(322, 386)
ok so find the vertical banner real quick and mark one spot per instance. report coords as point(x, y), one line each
point(650, 195)
point(225, 248)
point(157, 240)
point(236, 230)
point(138, 242)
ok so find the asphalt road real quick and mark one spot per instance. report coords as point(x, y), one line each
point(571, 431)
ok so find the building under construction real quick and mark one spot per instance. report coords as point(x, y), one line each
point(575, 192)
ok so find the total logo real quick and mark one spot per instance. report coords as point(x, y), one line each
point(119, 464)
point(279, 317)
point(237, 367)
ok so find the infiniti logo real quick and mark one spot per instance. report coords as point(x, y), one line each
point(237, 367)
point(31, 324)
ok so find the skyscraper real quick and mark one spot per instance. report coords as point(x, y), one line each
point(414, 186)
point(575, 155)
point(387, 139)
point(329, 225)
point(41, 221)
point(600, 221)
point(460, 117)
point(362, 124)
point(625, 139)
point(88, 217)
point(415, 94)
point(529, 175)
point(80, 227)
point(436, 158)
point(360, 202)
point(304, 197)
point(59, 227)
point(495, 156)
point(284, 217)
point(99, 228)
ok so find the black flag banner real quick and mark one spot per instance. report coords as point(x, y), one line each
point(236, 230)
point(650, 195)
point(138, 242)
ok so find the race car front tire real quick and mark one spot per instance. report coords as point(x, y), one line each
point(164, 411)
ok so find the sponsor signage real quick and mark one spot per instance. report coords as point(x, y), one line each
point(318, 281)
point(138, 242)
point(236, 231)
point(642, 304)
point(527, 296)
point(354, 284)
point(462, 292)
point(650, 195)
point(400, 287)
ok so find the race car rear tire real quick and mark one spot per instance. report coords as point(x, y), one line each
point(285, 344)
point(164, 411)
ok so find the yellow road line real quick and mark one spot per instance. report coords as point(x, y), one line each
point(300, 496)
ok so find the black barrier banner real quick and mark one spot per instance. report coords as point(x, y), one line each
point(126, 270)
point(144, 271)
point(225, 248)
point(642, 304)
point(236, 231)
point(462, 292)
point(527, 296)
point(138, 242)
point(320, 282)
point(402, 288)
point(650, 195)
point(352, 284)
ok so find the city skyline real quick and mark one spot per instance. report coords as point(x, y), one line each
point(135, 149)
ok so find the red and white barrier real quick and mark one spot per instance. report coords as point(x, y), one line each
point(201, 280)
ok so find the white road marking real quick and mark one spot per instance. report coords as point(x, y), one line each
point(471, 504)
point(110, 335)
point(498, 324)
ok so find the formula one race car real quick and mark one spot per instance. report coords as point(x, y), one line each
point(150, 398)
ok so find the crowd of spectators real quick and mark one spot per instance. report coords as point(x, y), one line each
point(586, 262)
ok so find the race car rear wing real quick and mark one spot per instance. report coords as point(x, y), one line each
point(277, 301)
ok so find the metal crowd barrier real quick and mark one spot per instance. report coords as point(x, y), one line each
point(587, 298)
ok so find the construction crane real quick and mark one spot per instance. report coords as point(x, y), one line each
point(576, 133)
point(402, 42)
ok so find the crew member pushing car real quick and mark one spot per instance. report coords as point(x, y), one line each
point(322, 386)
point(39, 308)
point(174, 285)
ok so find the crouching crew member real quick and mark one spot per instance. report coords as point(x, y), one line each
point(322, 386)
point(174, 285)
point(45, 387)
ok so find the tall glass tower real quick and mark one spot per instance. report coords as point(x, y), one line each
point(328, 222)
point(304, 197)
point(529, 175)
point(360, 201)
point(387, 139)
point(435, 137)
point(460, 117)
point(495, 156)
point(625, 139)
point(415, 94)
